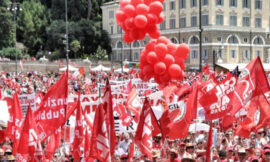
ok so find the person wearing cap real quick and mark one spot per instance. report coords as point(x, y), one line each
point(190, 149)
point(242, 155)
point(266, 155)
point(255, 159)
point(181, 150)
point(10, 158)
point(2, 155)
point(187, 158)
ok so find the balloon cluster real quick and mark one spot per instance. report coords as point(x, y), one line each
point(139, 17)
point(163, 60)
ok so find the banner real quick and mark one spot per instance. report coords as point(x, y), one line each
point(25, 100)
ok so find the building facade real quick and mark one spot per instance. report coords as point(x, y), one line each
point(235, 31)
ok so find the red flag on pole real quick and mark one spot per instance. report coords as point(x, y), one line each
point(134, 104)
point(100, 143)
point(251, 77)
point(209, 143)
point(143, 137)
point(78, 133)
point(107, 103)
point(29, 148)
point(53, 111)
point(15, 122)
point(54, 143)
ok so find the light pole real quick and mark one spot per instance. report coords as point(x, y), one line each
point(14, 7)
point(66, 36)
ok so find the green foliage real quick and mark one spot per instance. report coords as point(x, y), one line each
point(75, 46)
point(6, 28)
point(55, 55)
point(100, 54)
point(11, 52)
point(32, 22)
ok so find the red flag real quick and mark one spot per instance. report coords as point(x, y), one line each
point(100, 143)
point(81, 70)
point(21, 65)
point(78, 133)
point(59, 63)
point(134, 104)
point(29, 148)
point(181, 114)
point(216, 100)
point(107, 101)
point(124, 116)
point(54, 143)
point(251, 77)
point(131, 152)
point(143, 137)
point(53, 111)
point(205, 69)
point(15, 122)
point(209, 143)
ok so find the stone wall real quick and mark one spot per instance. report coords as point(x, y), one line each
point(49, 66)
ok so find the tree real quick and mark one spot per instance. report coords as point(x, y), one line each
point(75, 46)
point(32, 23)
point(100, 54)
point(6, 26)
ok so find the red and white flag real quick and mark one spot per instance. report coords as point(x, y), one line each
point(54, 143)
point(78, 133)
point(134, 104)
point(29, 148)
point(109, 117)
point(15, 122)
point(216, 100)
point(54, 110)
point(143, 137)
point(100, 143)
point(251, 77)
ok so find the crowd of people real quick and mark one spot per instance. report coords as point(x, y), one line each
point(226, 147)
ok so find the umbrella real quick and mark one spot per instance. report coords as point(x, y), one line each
point(70, 68)
point(100, 68)
point(196, 127)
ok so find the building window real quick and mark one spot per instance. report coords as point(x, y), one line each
point(193, 21)
point(194, 54)
point(136, 56)
point(219, 2)
point(182, 22)
point(127, 56)
point(182, 4)
point(258, 4)
point(183, 40)
point(245, 40)
point(219, 19)
point(204, 2)
point(246, 3)
point(233, 40)
point(193, 3)
point(258, 41)
point(173, 40)
point(205, 39)
point(119, 56)
point(119, 45)
point(233, 54)
point(219, 39)
point(119, 29)
point(246, 54)
point(233, 20)
point(163, 25)
point(111, 14)
point(172, 5)
point(246, 21)
point(194, 40)
point(205, 54)
point(220, 53)
point(136, 44)
point(258, 22)
point(258, 53)
point(205, 20)
point(111, 29)
point(172, 23)
point(233, 3)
